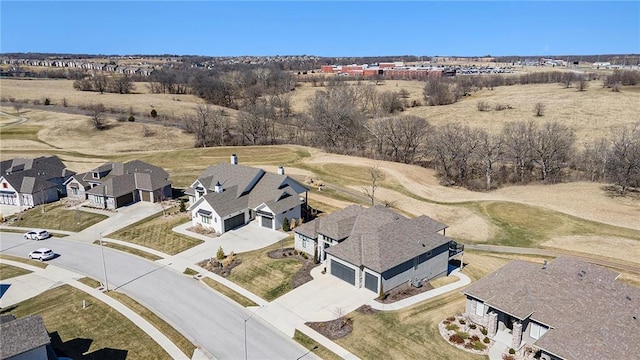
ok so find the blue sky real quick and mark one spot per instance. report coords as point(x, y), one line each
point(327, 28)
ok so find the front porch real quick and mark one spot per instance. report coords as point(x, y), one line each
point(505, 329)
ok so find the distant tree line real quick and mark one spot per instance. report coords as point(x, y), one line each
point(122, 84)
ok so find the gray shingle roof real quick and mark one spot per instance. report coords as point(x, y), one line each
point(28, 176)
point(389, 238)
point(591, 315)
point(248, 187)
point(22, 335)
point(125, 178)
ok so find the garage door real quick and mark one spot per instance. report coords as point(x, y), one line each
point(266, 222)
point(234, 222)
point(343, 272)
point(371, 282)
point(124, 200)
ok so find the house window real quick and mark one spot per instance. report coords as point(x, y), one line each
point(74, 191)
point(304, 242)
point(205, 219)
point(479, 308)
point(4, 185)
point(537, 331)
point(96, 175)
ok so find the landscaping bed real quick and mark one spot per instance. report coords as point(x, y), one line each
point(464, 335)
point(402, 292)
point(333, 329)
point(220, 267)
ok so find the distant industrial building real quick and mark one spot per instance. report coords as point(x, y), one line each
point(390, 70)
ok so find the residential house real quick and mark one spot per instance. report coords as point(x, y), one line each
point(566, 309)
point(114, 185)
point(30, 182)
point(376, 247)
point(23, 339)
point(226, 196)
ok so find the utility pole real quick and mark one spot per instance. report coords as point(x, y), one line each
point(245, 330)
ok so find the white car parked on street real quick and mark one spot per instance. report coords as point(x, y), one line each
point(42, 254)
point(36, 235)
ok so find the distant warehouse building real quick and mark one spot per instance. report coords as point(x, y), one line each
point(391, 70)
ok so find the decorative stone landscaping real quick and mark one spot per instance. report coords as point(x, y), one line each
point(465, 335)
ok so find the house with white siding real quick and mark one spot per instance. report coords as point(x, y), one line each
point(377, 248)
point(226, 196)
point(31, 182)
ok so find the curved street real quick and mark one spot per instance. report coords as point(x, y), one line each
point(212, 322)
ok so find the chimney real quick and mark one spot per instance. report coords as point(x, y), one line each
point(280, 170)
point(544, 266)
point(218, 188)
point(234, 159)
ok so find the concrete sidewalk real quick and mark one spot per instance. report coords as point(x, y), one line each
point(30, 285)
point(464, 280)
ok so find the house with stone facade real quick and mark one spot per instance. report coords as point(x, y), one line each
point(566, 309)
point(377, 248)
point(226, 196)
point(113, 185)
point(31, 182)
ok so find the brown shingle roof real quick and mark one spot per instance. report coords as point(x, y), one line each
point(591, 315)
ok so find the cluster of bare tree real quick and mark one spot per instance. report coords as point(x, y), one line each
point(210, 126)
point(231, 87)
point(621, 77)
point(122, 84)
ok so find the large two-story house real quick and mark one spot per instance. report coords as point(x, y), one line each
point(229, 195)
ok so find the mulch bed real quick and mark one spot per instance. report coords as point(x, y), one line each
point(403, 291)
point(215, 266)
point(366, 310)
point(334, 329)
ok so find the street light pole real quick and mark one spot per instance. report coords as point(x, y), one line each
point(245, 330)
point(308, 352)
point(104, 265)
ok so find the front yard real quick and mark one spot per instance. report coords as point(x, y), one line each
point(56, 216)
point(97, 332)
point(155, 232)
point(264, 276)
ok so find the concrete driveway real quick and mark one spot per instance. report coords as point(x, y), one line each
point(8, 210)
point(246, 238)
point(317, 300)
point(118, 219)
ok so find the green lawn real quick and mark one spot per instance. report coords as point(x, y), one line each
point(20, 132)
point(56, 216)
point(266, 277)
point(172, 334)
point(8, 271)
point(97, 332)
point(155, 232)
point(529, 226)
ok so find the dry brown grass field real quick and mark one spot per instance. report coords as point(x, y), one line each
point(412, 189)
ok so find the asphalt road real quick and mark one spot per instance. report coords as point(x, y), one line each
point(211, 321)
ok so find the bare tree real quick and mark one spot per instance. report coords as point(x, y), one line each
point(582, 83)
point(375, 174)
point(100, 83)
point(624, 166)
point(96, 116)
point(121, 85)
point(516, 147)
point(453, 147)
point(439, 92)
point(551, 146)
point(567, 78)
point(594, 158)
point(489, 151)
point(17, 106)
point(538, 109)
